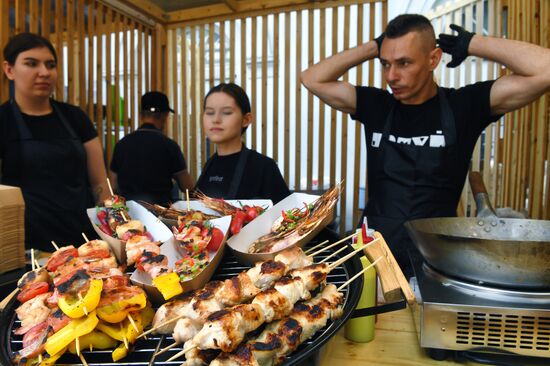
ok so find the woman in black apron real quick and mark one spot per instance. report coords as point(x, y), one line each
point(235, 171)
point(48, 149)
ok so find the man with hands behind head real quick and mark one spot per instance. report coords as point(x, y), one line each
point(420, 136)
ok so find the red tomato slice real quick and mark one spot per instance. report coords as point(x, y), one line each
point(216, 240)
point(32, 290)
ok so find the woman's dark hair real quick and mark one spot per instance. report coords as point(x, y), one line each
point(406, 23)
point(23, 42)
point(234, 91)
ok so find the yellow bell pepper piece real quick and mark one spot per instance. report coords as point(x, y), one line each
point(95, 338)
point(147, 314)
point(112, 330)
point(120, 352)
point(168, 284)
point(46, 361)
point(118, 311)
point(64, 336)
point(75, 307)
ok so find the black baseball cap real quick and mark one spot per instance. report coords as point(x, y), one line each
point(155, 101)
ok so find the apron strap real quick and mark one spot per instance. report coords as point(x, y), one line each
point(239, 171)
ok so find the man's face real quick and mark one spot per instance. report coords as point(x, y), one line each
point(408, 62)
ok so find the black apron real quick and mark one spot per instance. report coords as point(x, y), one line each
point(55, 202)
point(237, 175)
point(410, 182)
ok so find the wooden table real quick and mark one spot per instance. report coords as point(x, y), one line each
point(395, 343)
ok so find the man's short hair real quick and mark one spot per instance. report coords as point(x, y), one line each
point(406, 23)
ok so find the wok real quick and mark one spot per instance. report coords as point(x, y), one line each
point(487, 249)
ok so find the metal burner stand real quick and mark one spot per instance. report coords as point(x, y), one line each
point(461, 316)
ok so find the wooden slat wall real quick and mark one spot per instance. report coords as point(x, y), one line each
point(515, 155)
point(99, 48)
point(314, 146)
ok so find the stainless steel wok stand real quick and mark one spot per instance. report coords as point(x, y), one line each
point(464, 320)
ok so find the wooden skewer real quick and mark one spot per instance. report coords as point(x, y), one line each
point(85, 238)
point(125, 342)
point(161, 325)
point(91, 347)
point(332, 245)
point(316, 246)
point(39, 359)
point(83, 359)
point(37, 264)
point(83, 308)
point(133, 323)
point(32, 259)
point(358, 274)
point(188, 203)
point(110, 188)
point(348, 256)
point(77, 344)
point(181, 353)
point(333, 254)
point(55, 245)
point(166, 348)
point(123, 216)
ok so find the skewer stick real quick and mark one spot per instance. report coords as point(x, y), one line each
point(332, 245)
point(82, 359)
point(83, 308)
point(125, 342)
point(188, 203)
point(181, 353)
point(39, 359)
point(37, 264)
point(316, 246)
point(110, 188)
point(348, 256)
point(358, 274)
point(54, 245)
point(77, 344)
point(333, 254)
point(161, 325)
point(133, 323)
point(85, 238)
point(166, 348)
point(32, 259)
point(91, 347)
point(123, 216)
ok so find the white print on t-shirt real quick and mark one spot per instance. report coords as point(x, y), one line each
point(215, 178)
point(437, 140)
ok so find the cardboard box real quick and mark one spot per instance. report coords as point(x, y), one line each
point(158, 230)
point(240, 243)
point(12, 228)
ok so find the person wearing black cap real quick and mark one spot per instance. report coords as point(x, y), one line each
point(145, 161)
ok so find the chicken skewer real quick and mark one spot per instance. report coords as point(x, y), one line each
point(226, 329)
point(283, 336)
point(238, 289)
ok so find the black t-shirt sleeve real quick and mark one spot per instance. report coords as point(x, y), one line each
point(371, 103)
point(275, 186)
point(80, 122)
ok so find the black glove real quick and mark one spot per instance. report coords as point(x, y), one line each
point(378, 41)
point(456, 46)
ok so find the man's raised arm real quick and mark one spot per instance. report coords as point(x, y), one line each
point(529, 63)
point(321, 79)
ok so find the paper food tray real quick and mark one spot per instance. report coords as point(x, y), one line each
point(240, 243)
point(170, 250)
point(158, 230)
point(200, 206)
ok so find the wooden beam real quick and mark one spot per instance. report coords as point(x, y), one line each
point(232, 5)
point(143, 11)
point(250, 8)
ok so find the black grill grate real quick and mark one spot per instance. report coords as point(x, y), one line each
point(142, 352)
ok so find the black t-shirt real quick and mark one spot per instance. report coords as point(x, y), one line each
point(46, 127)
point(420, 124)
point(145, 162)
point(261, 177)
